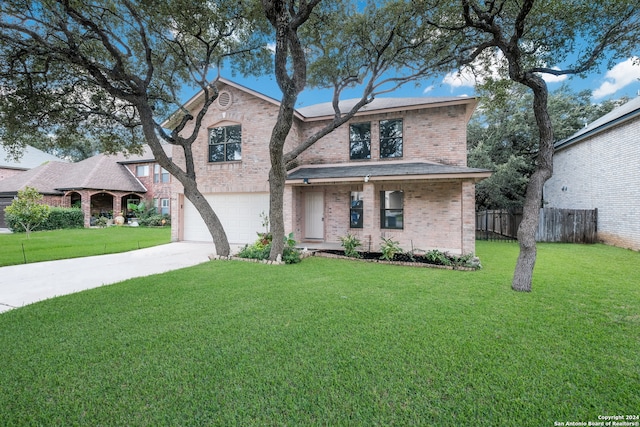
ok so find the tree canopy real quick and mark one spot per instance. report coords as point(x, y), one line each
point(503, 137)
point(340, 44)
point(112, 71)
point(523, 40)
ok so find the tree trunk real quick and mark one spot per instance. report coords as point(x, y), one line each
point(278, 175)
point(288, 47)
point(277, 178)
point(523, 274)
point(188, 180)
point(210, 218)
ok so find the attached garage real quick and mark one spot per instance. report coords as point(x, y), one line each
point(4, 202)
point(238, 212)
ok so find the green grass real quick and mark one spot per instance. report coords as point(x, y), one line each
point(334, 342)
point(62, 244)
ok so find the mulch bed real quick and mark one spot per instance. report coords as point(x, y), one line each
point(398, 259)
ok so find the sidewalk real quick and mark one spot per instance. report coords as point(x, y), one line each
point(27, 283)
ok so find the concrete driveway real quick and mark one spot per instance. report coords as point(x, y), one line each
point(25, 284)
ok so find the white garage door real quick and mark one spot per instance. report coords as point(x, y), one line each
point(238, 212)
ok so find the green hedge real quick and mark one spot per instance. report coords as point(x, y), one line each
point(58, 218)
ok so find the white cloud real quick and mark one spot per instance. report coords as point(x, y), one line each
point(483, 68)
point(460, 78)
point(621, 75)
point(428, 89)
point(552, 78)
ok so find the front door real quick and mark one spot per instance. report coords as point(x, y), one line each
point(314, 215)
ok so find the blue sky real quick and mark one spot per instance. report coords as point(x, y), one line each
point(623, 79)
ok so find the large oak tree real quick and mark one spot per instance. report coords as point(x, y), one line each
point(526, 39)
point(113, 69)
point(340, 45)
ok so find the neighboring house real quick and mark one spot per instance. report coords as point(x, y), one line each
point(30, 158)
point(398, 170)
point(100, 185)
point(599, 168)
point(155, 178)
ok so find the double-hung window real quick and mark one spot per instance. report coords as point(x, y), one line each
point(356, 209)
point(160, 174)
point(360, 141)
point(142, 170)
point(390, 138)
point(163, 206)
point(392, 209)
point(225, 143)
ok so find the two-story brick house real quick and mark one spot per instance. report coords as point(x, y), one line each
point(396, 170)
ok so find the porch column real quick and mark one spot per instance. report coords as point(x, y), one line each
point(85, 204)
point(117, 205)
point(371, 221)
point(288, 210)
point(468, 217)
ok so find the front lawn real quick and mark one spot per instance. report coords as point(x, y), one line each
point(61, 244)
point(334, 342)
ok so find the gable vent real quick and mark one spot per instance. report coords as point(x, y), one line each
point(224, 100)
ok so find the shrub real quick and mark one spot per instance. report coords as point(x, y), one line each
point(63, 218)
point(154, 220)
point(389, 249)
point(438, 258)
point(255, 251)
point(102, 221)
point(260, 250)
point(350, 243)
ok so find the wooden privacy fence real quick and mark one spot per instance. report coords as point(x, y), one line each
point(554, 225)
point(497, 224)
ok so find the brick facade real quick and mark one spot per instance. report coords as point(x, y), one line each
point(439, 213)
point(601, 172)
point(435, 134)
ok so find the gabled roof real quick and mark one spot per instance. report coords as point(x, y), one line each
point(615, 117)
point(145, 157)
point(324, 111)
point(99, 172)
point(42, 177)
point(382, 171)
point(31, 157)
point(195, 99)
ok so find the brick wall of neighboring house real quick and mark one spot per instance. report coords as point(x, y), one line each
point(9, 172)
point(432, 134)
point(155, 190)
point(602, 172)
point(56, 201)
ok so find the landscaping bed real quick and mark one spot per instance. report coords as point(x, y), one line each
point(433, 259)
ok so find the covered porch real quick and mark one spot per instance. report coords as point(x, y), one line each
point(423, 206)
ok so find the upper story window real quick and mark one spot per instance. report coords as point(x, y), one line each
point(360, 141)
point(225, 143)
point(160, 174)
point(390, 138)
point(142, 170)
